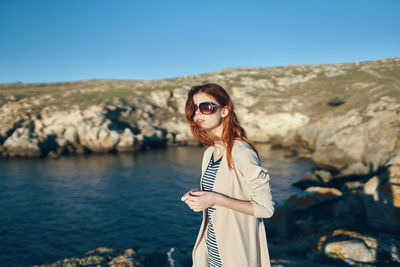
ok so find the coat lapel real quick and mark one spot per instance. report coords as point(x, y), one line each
point(219, 178)
point(206, 161)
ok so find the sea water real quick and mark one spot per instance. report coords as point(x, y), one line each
point(52, 209)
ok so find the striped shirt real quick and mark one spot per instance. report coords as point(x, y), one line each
point(208, 179)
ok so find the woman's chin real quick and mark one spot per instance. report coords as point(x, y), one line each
point(203, 127)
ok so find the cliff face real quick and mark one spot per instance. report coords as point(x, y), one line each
point(334, 114)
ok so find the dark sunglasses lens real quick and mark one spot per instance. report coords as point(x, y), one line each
point(206, 108)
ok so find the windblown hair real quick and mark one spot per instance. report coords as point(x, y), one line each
point(231, 128)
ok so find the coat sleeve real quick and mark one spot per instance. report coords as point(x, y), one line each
point(256, 179)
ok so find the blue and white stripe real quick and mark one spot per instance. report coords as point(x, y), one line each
point(208, 179)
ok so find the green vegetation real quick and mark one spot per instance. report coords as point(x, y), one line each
point(357, 84)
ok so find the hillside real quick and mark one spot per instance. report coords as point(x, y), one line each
point(295, 88)
point(271, 103)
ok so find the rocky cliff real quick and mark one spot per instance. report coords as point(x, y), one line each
point(343, 109)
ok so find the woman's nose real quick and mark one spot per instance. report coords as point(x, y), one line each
point(197, 111)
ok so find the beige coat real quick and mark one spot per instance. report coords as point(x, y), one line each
point(241, 238)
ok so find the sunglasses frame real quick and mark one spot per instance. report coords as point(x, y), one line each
point(214, 108)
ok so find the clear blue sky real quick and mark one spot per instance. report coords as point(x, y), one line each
point(55, 40)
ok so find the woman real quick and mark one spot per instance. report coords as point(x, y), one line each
point(235, 192)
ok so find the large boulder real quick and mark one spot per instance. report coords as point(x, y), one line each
point(22, 143)
point(339, 142)
point(261, 126)
point(382, 204)
point(97, 138)
point(358, 249)
point(128, 142)
point(304, 214)
point(312, 196)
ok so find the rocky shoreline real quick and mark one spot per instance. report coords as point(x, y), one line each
point(173, 257)
point(344, 117)
point(126, 258)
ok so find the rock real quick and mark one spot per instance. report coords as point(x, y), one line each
point(394, 174)
point(276, 141)
point(53, 154)
point(349, 139)
point(279, 224)
point(297, 246)
point(308, 180)
point(390, 193)
point(127, 141)
point(179, 258)
point(325, 176)
point(129, 252)
point(71, 135)
point(121, 261)
point(95, 114)
point(290, 140)
point(381, 136)
point(22, 143)
point(352, 185)
point(160, 98)
point(296, 261)
point(108, 138)
point(303, 215)
point(351, 251)
point(262, 126)
point(98, 139)
point(394, 160)
point(355, 249)
point(181, 130)
point(350, 211)
point(99, 250)
point(313, 196)
point(102, 257)
point(383, 207)
point(107, 257)
point(357, 168)
point(308, 134)
point(331, 158)
point(370, 187)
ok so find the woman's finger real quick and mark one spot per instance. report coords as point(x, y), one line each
point(184, 197)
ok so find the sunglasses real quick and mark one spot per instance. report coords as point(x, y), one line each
point(206, 108)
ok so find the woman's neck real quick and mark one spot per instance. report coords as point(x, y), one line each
point(219, 145)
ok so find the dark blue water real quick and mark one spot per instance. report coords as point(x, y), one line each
point(52, 209)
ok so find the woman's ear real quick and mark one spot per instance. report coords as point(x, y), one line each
point(224, 111)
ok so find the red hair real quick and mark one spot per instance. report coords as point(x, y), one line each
point(231, 128)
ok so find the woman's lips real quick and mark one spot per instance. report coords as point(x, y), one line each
point(199, 121)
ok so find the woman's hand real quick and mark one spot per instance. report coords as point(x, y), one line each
point(185, 196)
point(199, 200)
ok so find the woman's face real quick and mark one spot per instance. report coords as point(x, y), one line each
point(211, 121)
